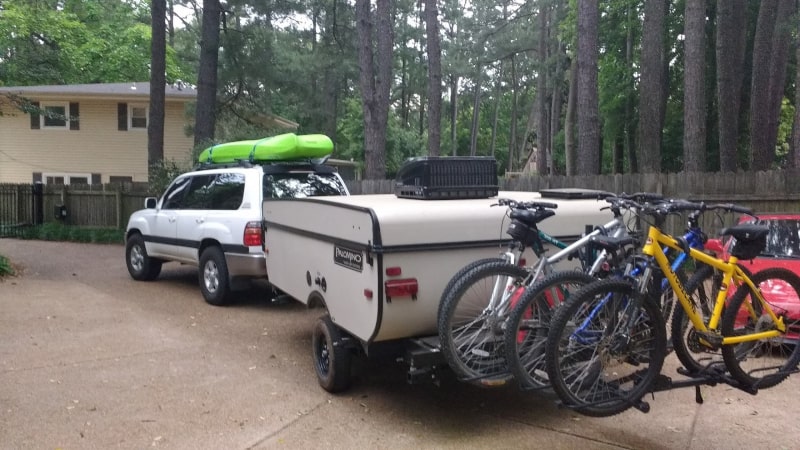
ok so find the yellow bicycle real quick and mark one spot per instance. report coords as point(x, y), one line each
point(607, 343)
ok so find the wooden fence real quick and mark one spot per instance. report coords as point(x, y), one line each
point(111, 205)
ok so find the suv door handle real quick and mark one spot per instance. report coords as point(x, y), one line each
point(200, 220)
point(172, 219)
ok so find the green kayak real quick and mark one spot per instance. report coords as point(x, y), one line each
point(283, 147)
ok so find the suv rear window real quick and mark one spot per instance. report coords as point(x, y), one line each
point(302, 184)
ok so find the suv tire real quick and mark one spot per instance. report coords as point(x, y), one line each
point(140, 266)
point(213, 273)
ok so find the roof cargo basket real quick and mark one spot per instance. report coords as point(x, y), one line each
point(447, 177)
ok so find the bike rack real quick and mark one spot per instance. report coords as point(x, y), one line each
point(712, 375)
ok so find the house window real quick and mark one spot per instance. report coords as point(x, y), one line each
point(54, 116)
point(66, 178)
point(138, 117)
point(113, 179)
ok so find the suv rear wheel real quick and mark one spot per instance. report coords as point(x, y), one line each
point(140, 266)
point(214, 281)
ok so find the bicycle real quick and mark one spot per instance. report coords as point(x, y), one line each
point(607, 343)
point(478, 298)
point(526, 328)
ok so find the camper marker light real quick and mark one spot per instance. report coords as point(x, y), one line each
point(368, 293)
point(405, 287)
point(252, 234)
point(393, 271)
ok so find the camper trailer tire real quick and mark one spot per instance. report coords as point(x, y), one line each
point(331, 356)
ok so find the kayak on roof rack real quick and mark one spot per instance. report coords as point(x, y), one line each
point(283, 147)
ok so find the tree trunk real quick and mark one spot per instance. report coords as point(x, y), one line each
point(495, 114)
point(651, 88)
point(205, 113)
point(542, 100)
point(588, 159)
point(158, 67)
point(512, 144)
point(731, 20)
point(570, 155)
point(476, 113)
point(434, 78)
point(629, 127)
point(779, 59)
point(453, 114)
point(694, 95)
point(375, 81)
point(760, 88)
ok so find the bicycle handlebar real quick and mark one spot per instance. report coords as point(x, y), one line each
point(524, 205)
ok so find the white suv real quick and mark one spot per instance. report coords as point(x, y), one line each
point(211, 218)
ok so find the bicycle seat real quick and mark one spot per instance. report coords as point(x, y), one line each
point(746, 232)
point(531, 217)
point(611, 243)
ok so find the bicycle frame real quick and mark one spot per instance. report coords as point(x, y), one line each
point(653, 247)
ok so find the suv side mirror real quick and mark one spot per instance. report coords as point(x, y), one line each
point(150, 202)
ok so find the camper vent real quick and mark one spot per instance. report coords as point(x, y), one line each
point(447, 177)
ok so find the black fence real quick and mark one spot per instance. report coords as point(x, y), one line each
point(21, 206)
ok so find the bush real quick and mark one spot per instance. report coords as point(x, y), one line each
point(55, 231)
point(5, 267)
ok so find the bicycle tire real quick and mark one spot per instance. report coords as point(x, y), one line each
point(742, 360)
point(470, 337)
point(461, 273)
point(603, 375)
point(528, 322)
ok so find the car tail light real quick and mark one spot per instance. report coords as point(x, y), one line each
point(393, 271)
point(405, 287)
point(252, 234)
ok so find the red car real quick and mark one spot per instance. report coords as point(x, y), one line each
point(782, 250)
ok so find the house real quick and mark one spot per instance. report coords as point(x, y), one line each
point(87, 133)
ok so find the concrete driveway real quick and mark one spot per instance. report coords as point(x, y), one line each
point(92, 359)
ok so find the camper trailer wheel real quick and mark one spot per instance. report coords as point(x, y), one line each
point(140, 266)
point(331, 358)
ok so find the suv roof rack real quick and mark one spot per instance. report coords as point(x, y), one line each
point(273, 166)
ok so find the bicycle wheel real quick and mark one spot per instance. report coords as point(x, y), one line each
point(702, 290)
point(597, 365)
point(471, 316)
point(527, 325)
point(766, 362)
point(462, 273)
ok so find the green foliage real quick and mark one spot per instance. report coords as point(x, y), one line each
point(82, 41)
point(57, 231)
point(784, 132)
point(162, 174)
point(5, 267)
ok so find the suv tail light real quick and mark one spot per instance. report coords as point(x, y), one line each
point(252, 234)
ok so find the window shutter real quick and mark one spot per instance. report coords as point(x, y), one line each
point(37, 177)
point(74, 117)
point(35, 125)
point(122, 116)
point(95, 178)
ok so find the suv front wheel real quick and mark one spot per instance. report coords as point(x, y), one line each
point(214, 282)
point(140, 266)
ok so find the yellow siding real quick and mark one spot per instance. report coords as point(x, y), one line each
point(98, 147)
